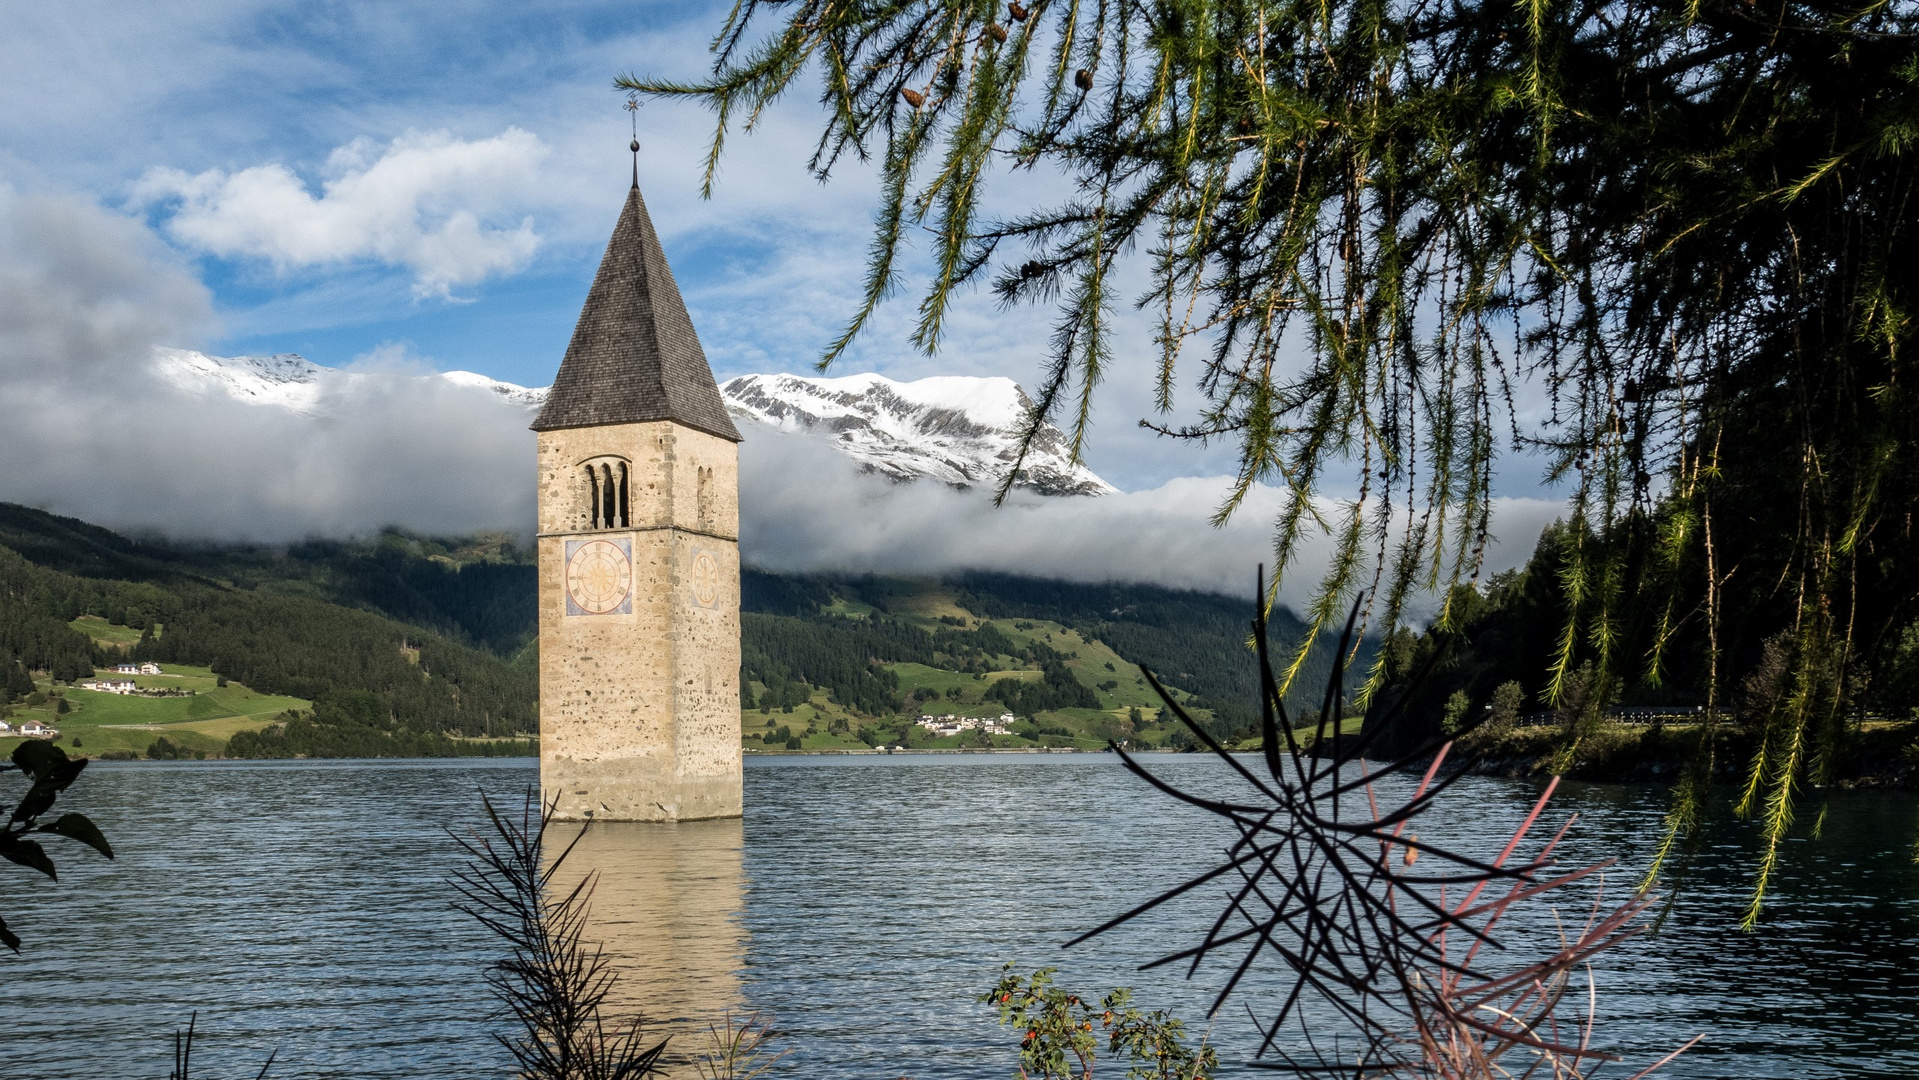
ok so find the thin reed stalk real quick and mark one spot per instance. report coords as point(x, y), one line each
point(1387, 933)
point(552, 984)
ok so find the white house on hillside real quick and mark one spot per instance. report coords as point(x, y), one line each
point(110, 686)
point(949, 724)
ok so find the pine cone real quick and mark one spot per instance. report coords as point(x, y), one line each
point(1018, 13)
point(1083, 79)
point(996, 32)
point(913, 97)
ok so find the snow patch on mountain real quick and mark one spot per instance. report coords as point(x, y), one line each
point(287, 380)
point(292, 382)
point(527, 397)
point(960, 430)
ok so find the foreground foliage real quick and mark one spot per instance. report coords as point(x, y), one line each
point(553, 984)
point(1060, 1041)
point(1322, 883)
point(49, 772)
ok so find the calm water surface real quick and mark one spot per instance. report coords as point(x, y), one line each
point(864, 902)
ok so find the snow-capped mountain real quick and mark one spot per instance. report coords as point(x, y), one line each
point(288, 380)
point(959, 430)
point(293, 382)
point(527, 397)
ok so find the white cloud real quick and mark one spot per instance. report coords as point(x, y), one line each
point(95, 431)
point(426, 201)
point(804, 507)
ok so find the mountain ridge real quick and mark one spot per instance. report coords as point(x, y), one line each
point(955, 429)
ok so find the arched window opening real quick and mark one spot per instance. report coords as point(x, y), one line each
point(625, 520)
point(592, 497)
point(608, 497)
point(609, 501)
point(704, 504)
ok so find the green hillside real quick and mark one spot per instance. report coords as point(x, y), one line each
point(473, 590)
point(208, 713)
point(327, 678)
point(405, 645)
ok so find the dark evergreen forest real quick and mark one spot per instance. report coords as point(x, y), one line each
point(1193, 640)
point(403, 640)
point(275, 636)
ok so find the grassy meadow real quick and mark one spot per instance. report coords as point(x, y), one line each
point(822, 725)
point(97, 723)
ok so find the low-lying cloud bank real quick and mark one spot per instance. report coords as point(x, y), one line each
point(808, 509)
point(92, 431)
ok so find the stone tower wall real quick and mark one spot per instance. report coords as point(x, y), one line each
point(640, 706)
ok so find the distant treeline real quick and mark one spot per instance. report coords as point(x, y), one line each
point(847, 656)
point(35, 607)
point(1192, 640)
point(353, 724)
point(310, 649)
point(477, 591)
point(425, 685)
point(440, 632)
point(1056, 688)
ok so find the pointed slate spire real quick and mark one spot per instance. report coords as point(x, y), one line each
point(634, 356)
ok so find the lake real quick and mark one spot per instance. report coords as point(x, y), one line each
point(864, 903)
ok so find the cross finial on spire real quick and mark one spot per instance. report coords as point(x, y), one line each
point(633, 107)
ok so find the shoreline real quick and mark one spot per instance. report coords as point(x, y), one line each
point(1878, 756)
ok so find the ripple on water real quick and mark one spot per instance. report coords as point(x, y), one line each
point(863, 902)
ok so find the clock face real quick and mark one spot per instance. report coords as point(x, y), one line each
point(706, 579)
point(599, 577)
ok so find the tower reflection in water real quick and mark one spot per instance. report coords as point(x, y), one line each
point(666, 910)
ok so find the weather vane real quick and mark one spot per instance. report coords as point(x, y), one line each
point(633, 107)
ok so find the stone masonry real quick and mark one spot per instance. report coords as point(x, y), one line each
point(640, 712)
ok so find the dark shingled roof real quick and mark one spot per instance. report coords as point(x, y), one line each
point(634, 355)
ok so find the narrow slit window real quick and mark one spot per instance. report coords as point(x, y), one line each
point(626, 522)
point(592, 497)
point(608, 497)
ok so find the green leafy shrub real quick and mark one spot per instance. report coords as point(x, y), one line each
point(1062, 1032)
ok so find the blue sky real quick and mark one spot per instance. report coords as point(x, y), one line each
point(103, 96)
point(138, 108)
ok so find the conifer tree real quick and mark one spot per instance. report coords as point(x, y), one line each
point(1371, 227)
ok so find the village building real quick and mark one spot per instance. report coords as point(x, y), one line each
point(150, 668)
point(639, 567)
point(110, 686)
point(950, 724)
point(127, 669)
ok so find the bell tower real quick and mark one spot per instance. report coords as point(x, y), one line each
point(639, 557)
